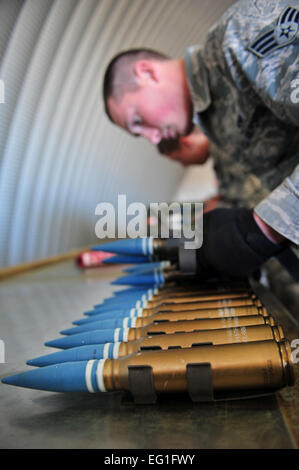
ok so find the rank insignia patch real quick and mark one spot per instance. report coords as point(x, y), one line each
point(283, 34)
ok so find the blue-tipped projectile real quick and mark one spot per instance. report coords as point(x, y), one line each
point(155, 248)
point(112, 309)
point(148, 267)
point(81, 376)
point(122, 322)
point(141, 290)
point(133, 246)
point(117, 305)
point(90, 313)
point(147, 294)
point(80, 353)
point(122, 259)
point(156, 278)
point(132, 289)
point(90, 337)
point(105, 316)
point(145, 291)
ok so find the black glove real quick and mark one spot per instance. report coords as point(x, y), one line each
point(233, 244)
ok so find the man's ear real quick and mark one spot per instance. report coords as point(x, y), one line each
point(146, 70)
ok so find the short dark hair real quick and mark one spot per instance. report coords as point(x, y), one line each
point(121, 66)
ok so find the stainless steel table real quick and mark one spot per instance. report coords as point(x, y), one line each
point(37, 305)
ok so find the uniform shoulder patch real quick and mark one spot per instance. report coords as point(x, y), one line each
point(283, 34)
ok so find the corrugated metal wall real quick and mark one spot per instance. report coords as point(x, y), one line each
point(59, 155)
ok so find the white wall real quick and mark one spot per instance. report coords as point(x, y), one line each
point(59, 155)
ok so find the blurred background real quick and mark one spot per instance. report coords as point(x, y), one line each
point(59, 154)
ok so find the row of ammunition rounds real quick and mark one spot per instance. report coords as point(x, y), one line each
point(171, 335)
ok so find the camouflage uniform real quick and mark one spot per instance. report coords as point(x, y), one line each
point(243, 86)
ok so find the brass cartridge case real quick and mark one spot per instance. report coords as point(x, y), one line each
point(181, 291)
point(189, 283)
point(182, 326)
point(188, 340)
point(191, 298)
point(219, 303)
point(146, 316)
point(261, 365)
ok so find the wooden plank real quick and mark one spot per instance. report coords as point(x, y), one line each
point(36, 264)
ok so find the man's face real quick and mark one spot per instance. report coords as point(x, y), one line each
point(159, 109)
point(189, 150)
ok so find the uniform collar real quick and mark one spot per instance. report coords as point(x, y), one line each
point(198, 79)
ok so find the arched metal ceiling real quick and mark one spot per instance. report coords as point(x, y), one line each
point(59, 155)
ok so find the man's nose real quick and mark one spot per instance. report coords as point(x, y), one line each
point(152, 134)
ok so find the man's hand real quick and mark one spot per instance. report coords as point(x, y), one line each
point(188, 150)
point(233, 243)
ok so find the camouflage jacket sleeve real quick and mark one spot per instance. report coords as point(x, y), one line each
point(261, 43)
point(268, 52)
point(280, 209)
point(272, 68)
